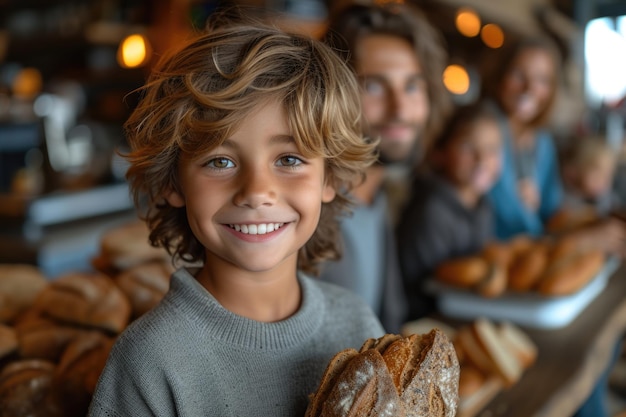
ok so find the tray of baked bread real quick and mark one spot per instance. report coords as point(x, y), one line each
point(539, 283)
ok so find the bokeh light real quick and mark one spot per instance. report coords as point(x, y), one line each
point(134, 51)
point(467, 22)
point(492, 35)
point(456, 79)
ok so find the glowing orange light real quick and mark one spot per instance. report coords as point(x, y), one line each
point(456, 79)
point(492, 35)
point(467, 22)
point(133, 51)
point(27, 83)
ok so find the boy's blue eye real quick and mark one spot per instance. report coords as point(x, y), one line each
point(220, 163)
point(289, 161)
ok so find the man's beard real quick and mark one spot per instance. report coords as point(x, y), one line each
point(411, 158)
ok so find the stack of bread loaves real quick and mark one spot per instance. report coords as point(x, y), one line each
point(547, 266)
point(55, 335)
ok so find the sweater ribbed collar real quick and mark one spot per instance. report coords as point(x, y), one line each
point(199, 306)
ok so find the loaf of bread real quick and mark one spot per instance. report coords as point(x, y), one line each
point(571, 274)
point(411, 376)
point(125, 246)
point(26, 389)
point(20, 284)
point(465, 271)
point(86, 299)
point(78, 371)
point(527, 268)
point(145, 284)
point(44, 338)
point(8, 340)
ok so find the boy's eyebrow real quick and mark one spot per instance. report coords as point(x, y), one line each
point(274, 140)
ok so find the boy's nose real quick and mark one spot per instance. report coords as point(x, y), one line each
point(256, 189)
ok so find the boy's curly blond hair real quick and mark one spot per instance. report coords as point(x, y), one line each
point(197, 96)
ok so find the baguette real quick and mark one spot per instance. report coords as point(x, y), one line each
point(464, 272)
point(569, 276)
point(528, 267)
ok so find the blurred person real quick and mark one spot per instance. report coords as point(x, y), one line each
point(589, 165)
point(448, 214)
point(399, 59)
point(529, 191)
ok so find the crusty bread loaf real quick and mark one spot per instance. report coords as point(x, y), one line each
point(78, 371)
point(527, 268)
point(496, 281)
point(145, 284)
point(44, 338)
point(415, 375)
point(571, 274)
point(26, 389)
point(86, 299)
point(433, 389)
point(8, 340)
point(464, 271)
point(365, 389)
point(125, 246)
point(20, 284)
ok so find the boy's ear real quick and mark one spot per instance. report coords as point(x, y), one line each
point(328, 193)
point(175, 199)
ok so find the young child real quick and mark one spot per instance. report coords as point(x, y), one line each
point(448, 215)
point(588, 172)
point(243, 147)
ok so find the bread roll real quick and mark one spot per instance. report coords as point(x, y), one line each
point(26, 389)
point(145, 284)
point(8, 340)
point(20, 284)
point(91, 300)
point(500, 253)
point(125, 246)
point(495, 283)
point(569, 276)
point(78, 371)
point(527, 268)
point(462, 272)
point(391, 376)
point(43, 338)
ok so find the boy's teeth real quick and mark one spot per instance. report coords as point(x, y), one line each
point(256, 229)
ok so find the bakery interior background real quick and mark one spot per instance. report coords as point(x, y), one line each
point(67, 69)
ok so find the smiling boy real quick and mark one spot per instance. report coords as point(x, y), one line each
point(244, 145)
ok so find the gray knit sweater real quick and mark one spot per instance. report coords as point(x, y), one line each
point(191, 357)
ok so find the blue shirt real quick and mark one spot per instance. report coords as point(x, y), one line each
point(511, 216)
